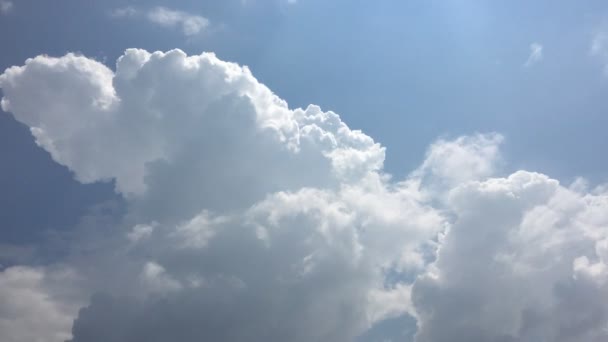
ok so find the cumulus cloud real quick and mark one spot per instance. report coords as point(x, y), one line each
point(241, 136)
point(290, 268)
point(515, 265)
point(189, 24)
point(37, 304)
point(237, 201)
point(248, 220)
point(6, 6)
point(452, 162)
point(536, 54)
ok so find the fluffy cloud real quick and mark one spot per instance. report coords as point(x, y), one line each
point(296, 266)
point(238, 204)
point(515, 265)
point(190, 24)
point(250, 221)
point(37, 304)
point(449, 163)
point(143, 125)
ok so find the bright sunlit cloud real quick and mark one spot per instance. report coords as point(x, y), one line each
point(252, 221)
point(447, 183)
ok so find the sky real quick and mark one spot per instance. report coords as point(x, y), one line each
point(303, 170)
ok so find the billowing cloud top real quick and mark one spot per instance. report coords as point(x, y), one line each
point(251, 221)
point(167, 112)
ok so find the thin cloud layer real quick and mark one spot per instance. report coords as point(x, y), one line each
point(536, 55)
point(6, 6)
point(599, 47)
point(250, 221)
point(189, 24)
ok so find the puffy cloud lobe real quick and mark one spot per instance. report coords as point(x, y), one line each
point(598, 270)
point(299, 266)
point(449, 163)
point(37, 304)
point(239, 202)
point(164, 116)
point(515, 265)
point(73, 95)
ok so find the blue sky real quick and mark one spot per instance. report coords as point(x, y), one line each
point(422, 78)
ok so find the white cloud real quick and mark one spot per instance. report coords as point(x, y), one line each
point(391, 303)
point(6, 6)
point(37, 304)
point(140, 232)
point(452, 162)
point(251, 221)
point(315, 274)
point(163, 128)
point(238, 200)
point(514, 265)
point(536, 55)
point(155, 279)
point(190, 24)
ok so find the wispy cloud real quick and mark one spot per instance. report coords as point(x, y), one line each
point(6, 6)
point(599, 48)
point(536, 54)
point(189, 24)
point(123, 12)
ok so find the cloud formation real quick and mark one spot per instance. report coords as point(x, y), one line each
point(189, 24)
point(237, 203)
point(536, 54)
point(37, 304)
point(515, 265)
point(6, 6)
point(251, 221)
